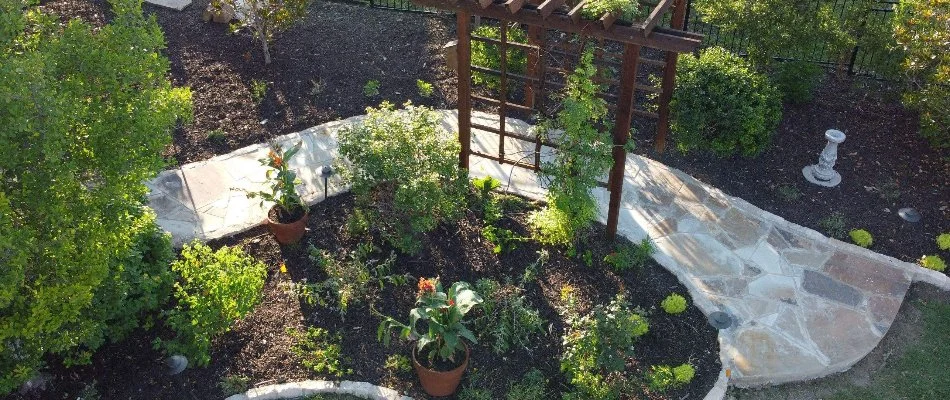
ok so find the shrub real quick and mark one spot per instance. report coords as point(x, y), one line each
point(582, 157)
point(933, 262)
point(631, 255)
point(319, 351)
point(258, 90)
point(594, 9)
point(921, 28)
point(674, 304)
point(216, 289)
point(796, 80)
point(835, 224)
point(488, 55)
point(405, 172)
point(485, 201)
point(266, 18)
point(597, 346)
point(722, 104)
point(943, 241)
point(502, 240)
point(861, 237)
point(85, 116)
point(664, 377)
point(371, 88)
point(507, 321)
point(533, 386)
point(425, 88)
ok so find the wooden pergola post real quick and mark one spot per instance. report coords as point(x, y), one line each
point(464, 52)
point(628, 83)
point(669, 80)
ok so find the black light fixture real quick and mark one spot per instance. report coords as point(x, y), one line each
point(720, 320)
point(176, 364)
point(326, 172)
point(909, 214)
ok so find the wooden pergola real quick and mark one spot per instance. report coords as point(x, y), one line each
point(541, 17)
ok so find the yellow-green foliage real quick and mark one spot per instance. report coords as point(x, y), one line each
point(861, 237)
point(488, 55)
point(664, 377)
point(674, 304)
point(943, 241)
point(933, 262)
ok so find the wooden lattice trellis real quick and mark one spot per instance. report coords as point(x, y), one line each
point(542, 17)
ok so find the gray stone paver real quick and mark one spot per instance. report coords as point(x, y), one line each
point(804, 305)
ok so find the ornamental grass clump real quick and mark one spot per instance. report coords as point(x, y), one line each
point(443, 313)
point(404, 172)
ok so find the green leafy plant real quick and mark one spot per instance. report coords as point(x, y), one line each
point(920, 28)
point(502, 240)
point(788, 192)
point(217, 136)
point(797, 79)
point(861, 237)
point(283, 182)
point(674, 304)
point(720, 103)
point(631, 255)
point(835, 225)
point(943, 241)
point(397, 363)
point(506, 321)
point(484, 201)
point(533, 386)
point(594, 9)
point(85, 114)
point(597, 345)
point(267, 18)
point(371, 88)
point(425, 88)
point(664, 377)
point(933, 262)
point(488, 55)
point(234, 384)
point(258, 90)
point(405, 173)
point(349, 281)
point(216, 289)
point(890, 190)
point(443, 313)
point(581, 158)
point(319, 351)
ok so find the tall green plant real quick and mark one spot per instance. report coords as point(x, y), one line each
point(85, 116)
point(582, 157)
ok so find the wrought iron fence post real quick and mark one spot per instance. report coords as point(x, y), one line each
point(854, 57)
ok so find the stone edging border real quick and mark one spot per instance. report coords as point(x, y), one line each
point(292, 390)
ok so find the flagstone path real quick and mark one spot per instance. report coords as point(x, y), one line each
point(803, 305)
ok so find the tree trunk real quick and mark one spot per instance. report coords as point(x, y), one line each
point(266, 51)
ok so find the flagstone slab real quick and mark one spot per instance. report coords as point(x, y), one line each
point(803, 305)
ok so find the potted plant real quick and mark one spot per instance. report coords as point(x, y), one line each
point(442, 343)
point(287, 218)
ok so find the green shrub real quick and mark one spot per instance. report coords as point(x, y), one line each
point(597, 345)
point(631, 255)
point(921, 28)
point(405, 172)
point(502, 240)
point(582, 157)
point(488, 55)
point(507, 321)
point(933, 262)
point(533, 386)
point(258, 90)
point(266, 18)
point(216, 289)
point(664, 377)
point(835, 224)
point(720, 103)
point(796, 80)
point(943, 241)
point(319, 351)
point(484, 201)
point(425, 88)
point(85, 115)
point(354, 280)
point(861, 237)
point(371, 88)
point(594, 9)
point(674, 304)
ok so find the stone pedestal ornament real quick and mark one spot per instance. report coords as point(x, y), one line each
point(823, 173)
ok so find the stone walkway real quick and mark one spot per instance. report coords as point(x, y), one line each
point(803, 305)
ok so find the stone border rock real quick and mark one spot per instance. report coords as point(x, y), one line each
point(292, 390)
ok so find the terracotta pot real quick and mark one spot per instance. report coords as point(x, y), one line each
point(288, 233)
point(439, 383)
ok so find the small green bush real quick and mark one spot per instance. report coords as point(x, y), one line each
point(216, 289)
point(796, 80)
point(674, 304)
point(234, 384)
point(425, 88)
point(664, 377)
point(488, 55)
point(943, 241)
point(507, 321)
point(397, 363)
point(533, 386)
point(258, 90)
point(319, 351)
point(722, 104)
point(933, 262)
point(861, 237)
point(594, 9)
point(631, 255)
point(484, 201)
point(835, 225)
point(405, 173)
point(371, 88)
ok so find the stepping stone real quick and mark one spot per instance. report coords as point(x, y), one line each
point(176, 5)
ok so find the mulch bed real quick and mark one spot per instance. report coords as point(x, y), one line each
point(259, 348)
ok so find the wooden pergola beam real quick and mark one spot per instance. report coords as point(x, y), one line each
point(655, 16)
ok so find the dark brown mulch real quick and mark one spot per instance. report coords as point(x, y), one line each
point(259, 348)
point(885, 165)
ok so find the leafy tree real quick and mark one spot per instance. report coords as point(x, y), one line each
point(923, 30)
point(84, 117)
point(266, 18)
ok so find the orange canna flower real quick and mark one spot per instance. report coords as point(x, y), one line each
point(276, 160)
point(426, 286)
